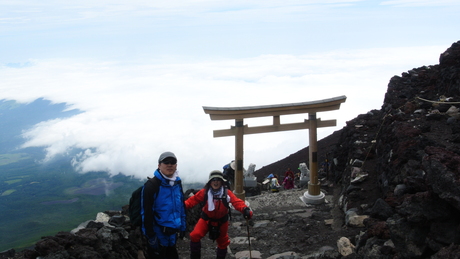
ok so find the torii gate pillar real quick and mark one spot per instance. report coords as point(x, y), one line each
point(238, 181)
point(313, 186)
point(313, 195)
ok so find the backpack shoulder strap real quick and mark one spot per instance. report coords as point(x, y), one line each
point(224, 200)
point(155, 183)
point(224, 197)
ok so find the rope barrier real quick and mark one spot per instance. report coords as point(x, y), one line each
point(437, 101)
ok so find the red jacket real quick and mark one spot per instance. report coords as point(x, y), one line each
point(220, 210)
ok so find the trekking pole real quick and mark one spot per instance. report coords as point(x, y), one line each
point(249, 238)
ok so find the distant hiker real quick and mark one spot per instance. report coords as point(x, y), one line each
point(163, 211)
point(215, 214)
point(288, 181)
point(267, 182)
point(229, 174)
point(274, 184)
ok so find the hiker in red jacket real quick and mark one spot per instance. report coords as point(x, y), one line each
point(215, 214)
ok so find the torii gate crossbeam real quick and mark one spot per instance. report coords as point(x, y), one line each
point(241, 113)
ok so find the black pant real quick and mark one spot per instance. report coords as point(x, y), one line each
point(165, 252)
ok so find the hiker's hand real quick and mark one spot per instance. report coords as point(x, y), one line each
point(247, 213)
point(181, 234)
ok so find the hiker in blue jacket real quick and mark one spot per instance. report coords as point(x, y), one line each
point(163, 212)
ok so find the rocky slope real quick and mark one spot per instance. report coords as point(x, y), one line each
point(408, 155)
point(392, 190)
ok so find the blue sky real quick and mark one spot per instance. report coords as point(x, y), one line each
point(142, 70)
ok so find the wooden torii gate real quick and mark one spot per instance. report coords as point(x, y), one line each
point(240, 113)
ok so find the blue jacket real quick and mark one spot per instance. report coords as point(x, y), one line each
point(165, 208)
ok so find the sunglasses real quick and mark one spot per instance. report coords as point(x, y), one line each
point(215, 179)
point(169, 161)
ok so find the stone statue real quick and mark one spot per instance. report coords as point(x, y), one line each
point(304, 175)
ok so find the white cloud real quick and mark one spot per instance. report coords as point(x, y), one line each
point(133, 113)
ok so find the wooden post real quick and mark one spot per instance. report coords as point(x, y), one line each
point(239, 189)
point(313, 186)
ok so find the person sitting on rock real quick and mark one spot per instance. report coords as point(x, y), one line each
point(288, 181)
point(215, 214)
point(274, 184)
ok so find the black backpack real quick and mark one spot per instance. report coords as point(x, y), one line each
point(229, 173)
point(135, 201)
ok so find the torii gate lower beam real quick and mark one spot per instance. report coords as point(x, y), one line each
point(239, 130)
